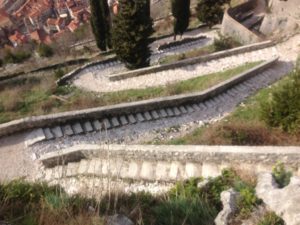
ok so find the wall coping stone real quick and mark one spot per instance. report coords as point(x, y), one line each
point(191, 61)
point(167, 152)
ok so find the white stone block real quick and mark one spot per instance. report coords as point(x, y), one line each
point(175, 170)
point(210, 170)
point(192, 170)
point(83, 166)
point(162, 171)
point(133, 170)
point(147, 171)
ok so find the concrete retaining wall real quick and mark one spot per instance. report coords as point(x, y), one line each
point(165, 163)
point(186, 62)
point(233, 28)
point(128, 108)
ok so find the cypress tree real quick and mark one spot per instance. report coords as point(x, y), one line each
point(181, 14)
point(131, 31)
point(100, 23)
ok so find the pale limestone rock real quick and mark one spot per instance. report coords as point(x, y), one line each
point(229, 199)
point(119, 220)
point(284, 202)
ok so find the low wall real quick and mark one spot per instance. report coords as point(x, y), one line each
point(164, 163)
point(72, 74)
point(191, 61)
point(233, 28)
point(49, 67)
point(129, 108)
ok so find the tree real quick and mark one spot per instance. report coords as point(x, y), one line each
point(210, 11)
point(100, 22)
point(181, 13)
point(131, 31)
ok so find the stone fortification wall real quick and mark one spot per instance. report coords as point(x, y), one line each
point(158, 164)
point(233, 28)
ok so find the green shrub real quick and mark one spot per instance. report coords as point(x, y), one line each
point(59, 73)
point(186, 189)
point(212, 191)
point(224, 42)
point(281, 176)
point(283, 109)
point(17, 57)
point(247, 200)
point(271, 219)
point(185, 211)
point(45, 50)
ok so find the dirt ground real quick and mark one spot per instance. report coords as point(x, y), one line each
point(15, 161)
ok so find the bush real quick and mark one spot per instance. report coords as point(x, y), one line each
point(283, 110)
point(59, 73)
point(45, 50)
point(247, 200)
point(281, 176)
point(224, 42)
point(17, 57)
point(271, 219)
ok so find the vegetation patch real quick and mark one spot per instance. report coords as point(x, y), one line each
point(247, 124)
point(281, 175)
point(37, 96)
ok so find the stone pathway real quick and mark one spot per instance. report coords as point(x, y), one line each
point(100, 83)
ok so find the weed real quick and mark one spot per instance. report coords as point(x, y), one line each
point(271, 218)
point(225, 42)
point(281, 175)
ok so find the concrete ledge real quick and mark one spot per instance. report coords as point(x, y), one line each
point(128, 108)
point(191, 61)
point(72, 74)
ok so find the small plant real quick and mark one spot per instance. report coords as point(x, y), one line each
point(224, 42)
point(247, 200)
point(186, 189)
point(17, 57)
point(271, 218)
point(281, 176)
point(45, 50)
point(59, 73)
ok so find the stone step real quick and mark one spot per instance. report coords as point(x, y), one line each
point(183, 109)
point(196, 107)
point(57, 131)
point(190, 109)
point(115, 122)
point(140, 117)
point(67, 130)
point(147, 116)
point(154, 114)
point(202, 106)
point(87, 127)
point(97, 125)
point(105, 124)
point(163, 113)
point(77, 128)
point(123, 120)
point(170, 112)
point(176, 111)
point(132, 119)
point(48, 134)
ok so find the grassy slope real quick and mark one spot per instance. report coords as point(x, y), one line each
point(243, 127)
point(36, 96)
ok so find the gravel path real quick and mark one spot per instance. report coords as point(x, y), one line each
point(98, 83)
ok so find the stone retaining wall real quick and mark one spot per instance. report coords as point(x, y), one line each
point(191, 61)
point(164, 163)
point(128, 108)
point(233, 28)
